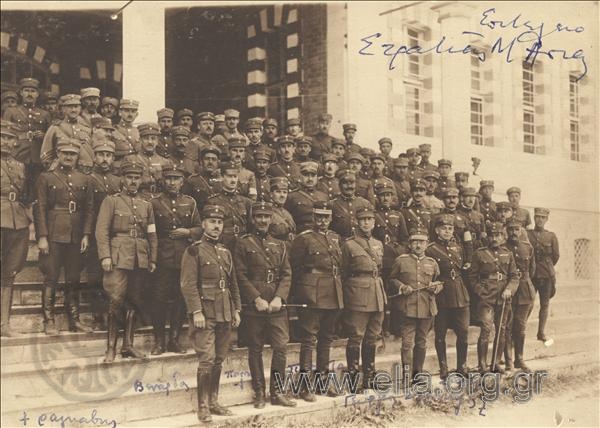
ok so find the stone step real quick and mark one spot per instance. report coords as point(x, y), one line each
point(86, 384)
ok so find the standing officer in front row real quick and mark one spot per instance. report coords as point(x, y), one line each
point(316, 260)
point(127, 248)
point(210, 289)
point(364, 295)
point(264, 277)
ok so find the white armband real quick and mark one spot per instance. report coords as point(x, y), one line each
point(151, 228)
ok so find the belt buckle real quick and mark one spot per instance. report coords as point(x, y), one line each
point(12, 196)
point(452, 274)
point(334, 270)
point(387, 239)
point(290, 236)
point(222, 284)
point(72, 207)
point(133, 233)
point(236, 229)
point(519, 274)
point(375, 273)
point(153, 188)
point(270, 276)
point(500, 277)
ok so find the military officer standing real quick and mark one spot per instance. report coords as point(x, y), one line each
point(232, 120)
point(519, 214)
point(462, 232)
point(246, 178)
point(109, 107)
point(208, 181)
point(401, 182)
point(385, 147)
point(349, 131)
point(364, 187)
point(416, 215)
point(179, 155)
point(431, 201)
point(90, 102)
point(164, 116)
point(128, 140)
point(293, 128)
point(283, 226)
point(316, 259)
point(321, 140)
point(413, 287)
point(127, 249)
point(14, 219)
point(493, 277)
point(185, 117)
point(547, 254)
point(453, 301)
point(444, 169)
point(177, 225)
point(378, 165)
point(425, 152)
point(264, 277)
point(414, 170)
point(63, 216)
point(210, 289)
point(345, 207)
point(303, 149)
point(328, 183)
point(285, 166)
point(475, 220)
point(9, 99)
point(300, 202)
point(205, 124)
point(254, 133)
point(487, 206)
point(270, 132)
point(262, 161)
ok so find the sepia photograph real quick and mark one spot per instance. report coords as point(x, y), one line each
point(300, 214)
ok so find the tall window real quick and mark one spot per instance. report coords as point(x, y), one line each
point(583, 259)
point(529, 142)
point(414, 66)
point(574, 117)
point(413, 110)
point(477, 121)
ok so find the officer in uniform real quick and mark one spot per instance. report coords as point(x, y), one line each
point(254, 135)
point(413, 289)
point(401, 182)
point(262, 161)
point(487, 206)
point(364, 187)
point(14, 219)
point(232, 120)
point(127, 138)
point(425, 152)
point(90, 102)
point(445, 181)
point(338, 149)
point(179, 153)
point(9, 99)
point(64, 216)
point(378, 165)
point(475, 220)
point(238, 208)
point(164, 116)
point(462, 232)
point(246, 179)
point(270, 132)
point(316, 259)
point(303, 149)
point(109, 107)
point(205, 124)
point(127, 249)
point(208, 181)
point(293, 128)
point(285, 166)
point(364, 295)
point(264, 277)
point(547, 254)
point(32, 123)
point(153, 163)
point(431, 201)
point(366, 172)
point(210, 289)
point(494, 278)
point(385, 147)
point(300, 202)
point(103, 183)
point(349, 131)
point(416, 214)
point(522, 302)
point(328, 183)
point(283, 226)
point(177, 225)
point(321, 140)
point(453, 301)
point(185, 117)
point(414, 170)
point(519, 214)
point(345, 207)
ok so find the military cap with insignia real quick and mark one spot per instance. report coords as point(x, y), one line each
point(309, 167)
point(418, 183)
point(184, 112)
point(205, 115)
point(262, 155)
point(324, 117)
point(345, 174)
point(468, 191)
point(424, 147)
point(329, 157)
point(279, 183)
point(284, 139)
point(513, 223)
point(461, 174)
point(338, 142)
point(130, 166)
point(165, 112)
point(349, 126)
point(90, 92)
point(485, 183)
point(269, 121)
point(350, 156)
point(219, 118)
point(418, 234)
point(172, 170)
point(236, 141)
point(384, 140)
point(109, 100)
point(366, 153)
point(544, 212)
point(148, 128)
point(304, 139)
point(231, 113)
point(398, 162)
point(70, 100)
point(29, 82)
point(229, 167)
point(451, 191)
point(213, 211)
point(210, 148)
point(412, 151)
point(253, 123)
point(322, 208)
point(444, 219)
point(446, 162)
point(383, 187)
point(365, 212)
point(292, 122)
point(9, 128)
point(103, 145)
point(180, 130)
point(513, 189)
point(377, 156)
point(127, 103)
point(503, 206)
point(430, 173)
point(68, 145)
point(495, 227)
point(9, 94)
point(262, 207)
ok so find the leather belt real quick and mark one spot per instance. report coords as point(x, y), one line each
point(334, 271)
point(498, 276)
point(133, 233)
point(220, 285)
point(72, 207)
point(373, 274)
point(11, 196)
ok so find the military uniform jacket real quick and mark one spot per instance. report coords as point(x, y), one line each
point(249, 155)
point(364, 188)
point(153, 166)
point(247, 183)
point(450, 259)
point(209, 282)
point(12, 196)
point(263, 188)
point(164, 147)
point(390, 227)
point(522, 216)
point(403, 191)
point(238, 213)
point(28, 119)
point(415, 172)
point(344, 210)
point(263, 269)
point(417, 216)
point(475, 223)
point(546, 250)
point(64, 211)
point(330, 186)
point(126, 232)
point(417, 272)
point(76, 129)
point(321, 144)
point(362, 260)
point(290, 169)
point(184, 163)
point(492, 271)
point(283, 226)
point(103, 184)
point(202, 186)
point(300, 204)
point(128, 140)
point(525, 260)
point(316, 270)
point(488, 209)
point(172, 213)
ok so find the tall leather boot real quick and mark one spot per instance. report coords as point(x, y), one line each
point(519, 348)
point(6, 301)
point(482, 351)
point(306, 370)
point(128, 351)
point(418, 360)
point(368, 365)
point(203, 394)
point(323, 353)
point(158, 328)
point(543, 318)
point(440, 349)
point(72, 307)
point(508, 351)
point(461, 358)
point(48, 300)
point(214, 406)
point(177, 317)
point(111, 338)
point(352, 360)
point(257, 375)
point(278, 360)
point(407, 366)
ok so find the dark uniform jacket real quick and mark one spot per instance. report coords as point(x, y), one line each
point(172, 213)
point(545, 246)
point(525, 260)
point(28, 119)
point(487, 207)
point(390, 227)
point(492, 271)
point(164, 147)
point(316, 270)
point(330, 186)
point(475, 224)
point(12, 194)
point(344, 210)
point(64, 211)
point(417, 217)
point(362, 260)
point(403, 191)
point(238, 215)
point(103, 184)
point(76, 129)
point(127, 141)
point(462, 233)
point(450, 259)
point(263, 187)
point(263, 269)
point(202, 186)
point(249, 156)
point(152, 175)
point(283, 226)
point(126, 232)
point(290, 169)
point(417, 272)
point(209, 281)
point(321, 144)
point(522, 216)
point(300, 204)
point(183, 162)
point(364, 188)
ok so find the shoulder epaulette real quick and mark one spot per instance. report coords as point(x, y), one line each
point(305, 232)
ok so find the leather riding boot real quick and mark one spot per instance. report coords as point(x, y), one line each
point(6, 301)
point(482, 351)
point(158, 327)
point(418, 360)
point(543, 318)
point(111, 338)
point(306, 371)
point(407, 366)
point(461, 358)
point(323, 354)
point(519, 347)
point(368, 365)
point(128, 351)
point(203, 393)
point(278, 397)
point(177, 317)
point(440, 349)
point(257, 374)
point(508, 351)
point(48, 300)
point(214, 406)
point(352, 360)
point(72, 306)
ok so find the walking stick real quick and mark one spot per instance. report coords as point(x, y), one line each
point(497, 336)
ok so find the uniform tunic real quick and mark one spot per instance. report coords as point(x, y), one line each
point(418, 273)
point(344, 210)
point(289, 169)
point(238, 215)
point(300, 204)
point(28, 119)
point(202, 186)
point(330, 186)
point(450, 259)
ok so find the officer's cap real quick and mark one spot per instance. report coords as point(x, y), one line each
point(269, 121)
point(210, 148)
point(383, 187)
point(231, 113)
point(127, 103)
point(418, 234)
point(322, 208)
point(9, 94)
point(292, 122)
point(29, 82)
point(205, 115)
point(303, 140)
point(329, 157)
point(279, 183)
point(102, 122)
point(68, 145)
point(185, 112)
point(285, 139)
point(309, 167)
point(51, 96)
point(70, 100)
point(262, 155)
point(446, 162)
point(90, 92)
point(236, 141)
point(345, 174)
point(219, 118)
point(513, 223)
point(485, 183)
point(262, 207)
point(378, 156)
point(384, 140)
point(398, 162)
point(418, 183)
point(8, 128)
point(102, 144)
point(109, 100)
point(412, 151)
point(461, 174)
point(172, 170)
point(229, 167)
point(130, 166)
point(350, 156)
point(424, 147)
point(495, 227)
point(444, 219)
point(544, 212)
point(349, 126)
point(180, 130)
point(365, 212)
point(148, 128)
point(513, 189)
point(338, 142)
point(324, 117)
point(253, 123)
point(451, 191)
point(213, 211)
point(430, 173)
point(366, 152)
point(503, 206)
point(165, 112)
point(468, 191)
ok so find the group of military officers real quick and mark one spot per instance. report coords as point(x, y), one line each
point(222, 227)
